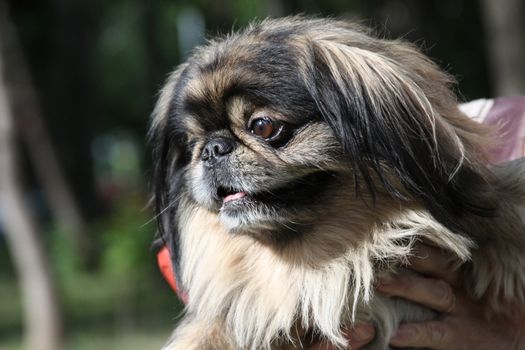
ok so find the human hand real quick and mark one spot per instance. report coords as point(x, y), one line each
point(463, 326)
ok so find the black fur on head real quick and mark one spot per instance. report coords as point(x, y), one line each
point(392, 110)
point(169, 160)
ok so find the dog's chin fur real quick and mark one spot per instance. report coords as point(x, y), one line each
point(374, 156)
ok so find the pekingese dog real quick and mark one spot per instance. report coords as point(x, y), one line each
point(298, 160)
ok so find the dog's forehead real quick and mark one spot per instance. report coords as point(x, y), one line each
point(262, 72)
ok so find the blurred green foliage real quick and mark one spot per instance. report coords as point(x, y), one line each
point(126, 238)
point(124, 300)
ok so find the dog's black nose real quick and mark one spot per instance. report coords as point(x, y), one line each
point(217, 148)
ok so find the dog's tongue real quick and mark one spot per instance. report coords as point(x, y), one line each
point(232, 197)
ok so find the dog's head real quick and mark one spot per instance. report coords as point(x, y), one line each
point(266, 126)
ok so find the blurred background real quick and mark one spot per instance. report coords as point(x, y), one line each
point(78, 80)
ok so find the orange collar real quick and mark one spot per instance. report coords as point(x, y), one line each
point(166, 268)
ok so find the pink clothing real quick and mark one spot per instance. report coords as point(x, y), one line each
point(507, 114)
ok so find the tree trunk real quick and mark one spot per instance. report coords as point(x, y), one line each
point(42, 316)
point(30, 125)
point(505, 30)
point(72, 99)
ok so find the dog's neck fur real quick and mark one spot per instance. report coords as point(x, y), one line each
point(282, 288)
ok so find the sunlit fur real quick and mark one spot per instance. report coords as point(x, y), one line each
point(377, 157)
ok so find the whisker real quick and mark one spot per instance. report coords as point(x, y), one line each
point(159, 214)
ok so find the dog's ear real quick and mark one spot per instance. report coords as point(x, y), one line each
point(166, 101)
point(169, 158)
point(387, 107)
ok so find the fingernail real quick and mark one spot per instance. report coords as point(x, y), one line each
point(363, 332)
point(384, 285)
point(384, 282)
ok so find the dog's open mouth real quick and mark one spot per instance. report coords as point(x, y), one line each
point(228, 194)
point(294, 193)
point(262, 211)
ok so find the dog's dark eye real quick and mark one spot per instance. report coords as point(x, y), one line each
point(275, 132)
point(263, 127)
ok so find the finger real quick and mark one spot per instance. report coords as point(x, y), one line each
point(360, 335)
point(322, 346)
point(433, 293)
point(433, 335)
point(434, 262)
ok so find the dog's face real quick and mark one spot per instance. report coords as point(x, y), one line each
point(258, 158)
point(267, 127)
point(251, 165)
